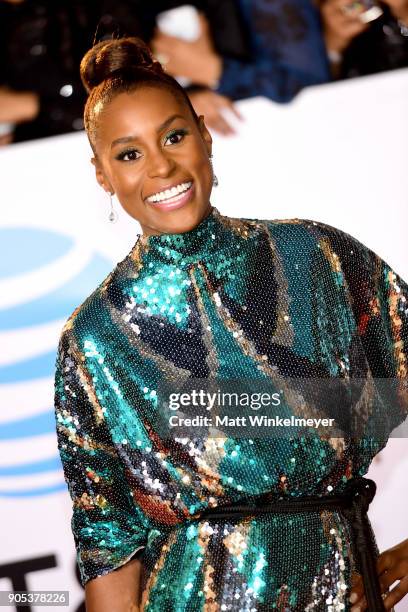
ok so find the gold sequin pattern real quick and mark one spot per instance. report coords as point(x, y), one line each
point(234, 298)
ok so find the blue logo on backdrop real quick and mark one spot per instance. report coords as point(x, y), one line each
point(28, 306)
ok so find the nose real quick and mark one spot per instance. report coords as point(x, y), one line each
point(160, 164)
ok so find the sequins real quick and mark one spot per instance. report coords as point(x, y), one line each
point(232, 298)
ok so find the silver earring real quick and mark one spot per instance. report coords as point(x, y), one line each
point(215, 179)
point(113, 216)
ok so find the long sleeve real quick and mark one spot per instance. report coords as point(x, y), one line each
point(379, 299)
point(288, 52)
point(107, 525)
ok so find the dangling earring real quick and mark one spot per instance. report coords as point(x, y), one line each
point(113, 217)
point(215, 179)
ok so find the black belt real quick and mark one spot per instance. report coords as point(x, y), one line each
point(354, 503)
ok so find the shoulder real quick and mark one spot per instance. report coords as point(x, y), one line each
point(292, 227)
point(320, 233)
point(308, 239)
point(90, 313)
point(347, 247)
point(81, 326)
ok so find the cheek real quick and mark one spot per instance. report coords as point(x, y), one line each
point(128, 183)
point(128, 186)
point(205, 172)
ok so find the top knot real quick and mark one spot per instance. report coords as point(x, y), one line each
point(116, 58)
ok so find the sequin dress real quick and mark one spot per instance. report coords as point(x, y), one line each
point(232, 298)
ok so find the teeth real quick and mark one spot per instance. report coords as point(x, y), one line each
point(169, 193)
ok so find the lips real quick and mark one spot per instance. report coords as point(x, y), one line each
point(167, 188)
point(176, 201)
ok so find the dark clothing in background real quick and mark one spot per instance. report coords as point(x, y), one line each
point(269, 48)
point(230, 33)
point(229, 29)
point(42, 43)
point(287, 51)
point(275, 48)
point(382, 47)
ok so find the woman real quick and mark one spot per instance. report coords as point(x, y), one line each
point(209, 297)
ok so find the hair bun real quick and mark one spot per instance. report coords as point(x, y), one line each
point(114, 57)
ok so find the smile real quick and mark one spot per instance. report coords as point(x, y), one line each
point(169, 195)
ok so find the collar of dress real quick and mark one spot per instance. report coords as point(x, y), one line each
point(211, 236)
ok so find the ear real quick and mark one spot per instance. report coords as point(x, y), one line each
point(101, 176)
point(205, 134)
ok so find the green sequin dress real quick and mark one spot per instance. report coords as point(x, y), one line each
point(230, 299)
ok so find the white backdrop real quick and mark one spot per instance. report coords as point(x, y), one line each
point(336, 154)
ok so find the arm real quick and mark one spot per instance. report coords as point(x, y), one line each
point(399, 9)
point(108, 527)
point(340, 25)
point(379, 299)
point(288, 54)
point(392, 566)
point(266, 77)
point(115, 592)
point(18, 106)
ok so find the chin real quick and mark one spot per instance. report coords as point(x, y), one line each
point(179, 220)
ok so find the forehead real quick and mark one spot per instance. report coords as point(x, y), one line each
point(139, 113)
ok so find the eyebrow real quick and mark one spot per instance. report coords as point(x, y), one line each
point(161, 127)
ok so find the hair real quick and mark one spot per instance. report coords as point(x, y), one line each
point(121, 65)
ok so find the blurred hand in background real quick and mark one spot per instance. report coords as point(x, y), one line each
point(341, 23)
point(365, 38)
point(16, 107)
point(195, 60)
point(199, 62)
point(212, 106)
point(399, 8)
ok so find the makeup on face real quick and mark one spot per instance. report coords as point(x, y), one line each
point(156, 157)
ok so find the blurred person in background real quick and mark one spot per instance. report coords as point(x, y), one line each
point(243, 50)
point(42, 42)
point(358, 48)
point(222, 31)
point(287, 53)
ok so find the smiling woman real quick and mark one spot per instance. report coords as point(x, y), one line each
point(150, 147)
point(214, 520)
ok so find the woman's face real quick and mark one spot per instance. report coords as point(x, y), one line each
point(154, 156)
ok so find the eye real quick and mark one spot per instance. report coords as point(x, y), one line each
point(176, 136)
point(129, 155)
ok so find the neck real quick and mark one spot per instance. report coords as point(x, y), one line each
point(148, 231)
point(184, 248)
